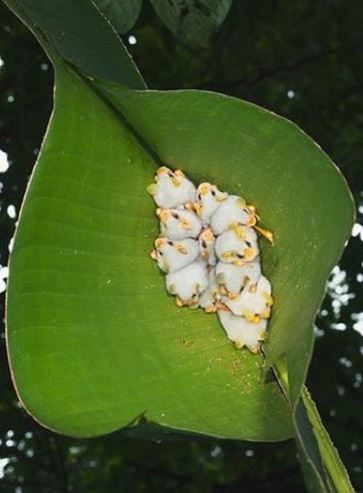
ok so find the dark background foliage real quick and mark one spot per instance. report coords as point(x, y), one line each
point(300, 59)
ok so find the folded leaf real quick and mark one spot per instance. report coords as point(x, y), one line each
point(94, 340)
point(299, 193)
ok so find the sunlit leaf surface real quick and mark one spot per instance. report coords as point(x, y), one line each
point(121, 13)
point(94, 340)
point(299, 193)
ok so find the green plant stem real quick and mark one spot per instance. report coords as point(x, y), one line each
point(330, 456)
point(336, 476)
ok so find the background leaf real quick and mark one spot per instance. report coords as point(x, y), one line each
point(193, 20)
point(81, 35)
point(122, 14)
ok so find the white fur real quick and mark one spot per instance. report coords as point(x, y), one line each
point(172, 190)
point(234, 277)
point(231, 211)
point(253, 300)
point(231, 246)
point(188, 283)
point(170, 258)
point(179, 224)
point(207, 242)
point(242, 332)
point(211, 294)
point(209, 199)
point(211, 256)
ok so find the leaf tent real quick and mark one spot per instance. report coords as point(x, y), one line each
point(94, 342)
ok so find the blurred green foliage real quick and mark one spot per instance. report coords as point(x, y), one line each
point(300, 59)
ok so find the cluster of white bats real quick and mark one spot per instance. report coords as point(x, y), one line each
point(208, 248)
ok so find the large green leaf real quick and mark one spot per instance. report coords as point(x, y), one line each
point(81, 35)
point(300, 194)
point(121, 13)
point(193, 20)
point(94, 340)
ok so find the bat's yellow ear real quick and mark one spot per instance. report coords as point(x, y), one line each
point(204, 188)
point(179, 173)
